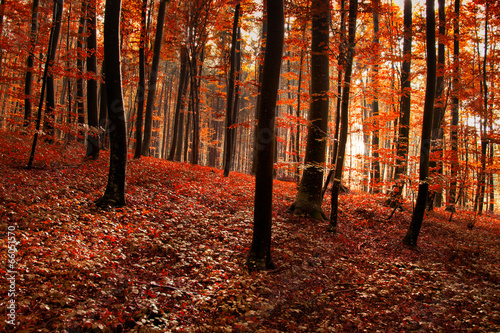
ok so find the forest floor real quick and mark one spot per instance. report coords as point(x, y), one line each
point(173, 259)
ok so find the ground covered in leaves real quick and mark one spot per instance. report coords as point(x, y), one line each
point(174, 258)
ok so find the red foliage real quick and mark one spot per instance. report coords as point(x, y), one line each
point(174, 258)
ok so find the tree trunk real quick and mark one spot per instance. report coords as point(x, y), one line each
point(92, 103)
point(309, 197)
point(80, 62)
point(115, 189)
point(405, 110)
point(411, 236)
point(153, 77)
point(435, 164)
point(339, 165)
point(452, 194)
point(142, 83)
point(259, 257)
point(375, 104)
point(50, 97)
point(29, 62)
point(179, 107)
point(58, 6)
point(483, 127)
point(228, 137)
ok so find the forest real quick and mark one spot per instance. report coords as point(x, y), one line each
point(249, 166)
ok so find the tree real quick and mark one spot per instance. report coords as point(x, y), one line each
point(50, 96)
point(375, 104)
point(114, 194)
point(405, 109)
point(53, 39)
point(452, 193)
point(29, 62)
point(259, 257)
point(309, 197)
point(229, 130)
point(435, 164)
point(153, 78)
point(339, 165)
point(93, 146)
point(413, 232)
point(176, 145)
point(142, 82)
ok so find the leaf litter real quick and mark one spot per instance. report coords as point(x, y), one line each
point(173, 259)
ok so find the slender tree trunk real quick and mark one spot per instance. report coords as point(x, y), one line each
point(141, 88)
point(80, 62)
point(484, 142)
point(309, 197)
point(339, 165)
point(228, 142)
point(413, 232)
point(53, 38)
point(93, 145)
point(435, 164)
point(179, 108)
point(259, 257)
point(452, 194)
point(115, 189)
point(375, 104)
point(341, 61)
point(405, 110)
point(50, 97)
point(298, 113)
point(31, 57)
point(153, 77)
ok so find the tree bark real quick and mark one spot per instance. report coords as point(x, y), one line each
point(259, 257)
point(413, 232)
point(339, 165)
point(114, 194)
point(228, 137)
point(153, 78)
point(405, 111)
point(452, 194)
point(29, 62)
point(93, 145)
point(435, 164)
point(375, 105)
point(174, 154)
point(309, 197)
point(50, 97)
point(142, 83)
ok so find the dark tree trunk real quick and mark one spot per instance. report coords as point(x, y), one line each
point(259, 74)
point(259, 257)
point(50, 97)
point(341, 61)
point(375, 104)
point(435, 164)
point(413, 232)
point(31, 57)
point(452, 194)
point(58, 6)
point(174, 154)
point(115, 190)
point(153, 78)
point(142, 83)
point(309, 198)
point(93, 146)
point(298, 113)
point(405, 110)
point(484, 142)
point(228, 137)
point(339, 165)
point(80, 62)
